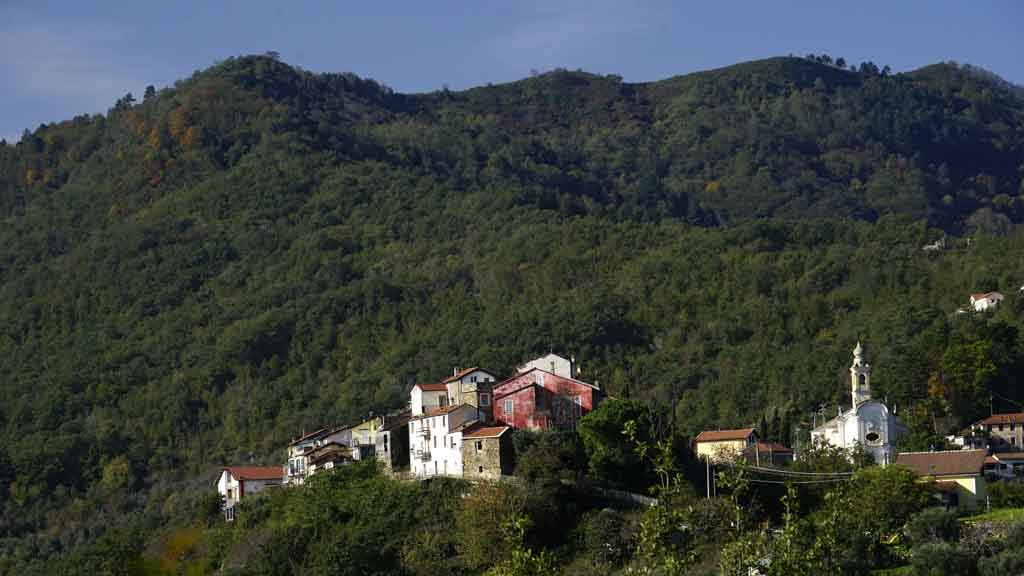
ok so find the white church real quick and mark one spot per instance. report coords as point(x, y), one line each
point(868, 422)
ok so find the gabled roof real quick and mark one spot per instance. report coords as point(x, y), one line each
point(724, 435)
point(486, 432)
point(982, 295)
point(464, 372)
point(944, 463)
point(311, 435)
point(439, 411)
point(255, 472)
point(437, 387)
point(1009, 418)
point(534, 383)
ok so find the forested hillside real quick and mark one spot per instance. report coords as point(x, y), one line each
point(195, 277)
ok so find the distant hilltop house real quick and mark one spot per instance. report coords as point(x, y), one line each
point(985, 300)
point(868, 423)
point(936, 246)
point(958, 474)
point(235, 482)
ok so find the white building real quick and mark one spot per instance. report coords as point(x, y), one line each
point(299, 466)
point(427, 398)
point(985, 301)
point(237, 482)
point(435, 440)
point(868, 423)
point(559, 365)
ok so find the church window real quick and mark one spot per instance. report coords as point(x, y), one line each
point(860, 380)
point(872, 437)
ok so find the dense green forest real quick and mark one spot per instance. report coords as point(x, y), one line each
point(195, 277)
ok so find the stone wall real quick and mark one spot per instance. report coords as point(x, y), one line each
point(489, 461)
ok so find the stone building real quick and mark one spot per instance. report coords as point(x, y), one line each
point(486, 452)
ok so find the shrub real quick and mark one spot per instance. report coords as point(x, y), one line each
point(942, 559)
point(933, 525)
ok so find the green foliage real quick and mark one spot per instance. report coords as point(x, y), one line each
point(933, 525)
point(943, 559)
point(192, 279)
point(612, 455)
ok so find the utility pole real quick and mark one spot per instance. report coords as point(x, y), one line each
point(707, 462)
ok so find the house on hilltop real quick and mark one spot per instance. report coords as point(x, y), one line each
point(986, 301)
point(551, 362)
point(471, 386)
point(539, 399)
point(435, 440)
point(236, 482)
point(486, 452)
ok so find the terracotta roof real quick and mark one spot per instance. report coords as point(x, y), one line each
point(944, 463)
point(458, 375)
point(1011, 418)
point(440, 387)
point(256, 472)
point(305, 437)
point(439, 411)
point(491, 432)
point(396, 420)
point(1003, 456)
point(772, 447)
point(724, 435)
point(981, 295)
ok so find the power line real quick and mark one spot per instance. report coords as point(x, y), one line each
point(797, 473)
point(759, 481)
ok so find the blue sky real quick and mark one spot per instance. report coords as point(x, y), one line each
point(59, 59)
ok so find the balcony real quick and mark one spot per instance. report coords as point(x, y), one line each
point(423, 455)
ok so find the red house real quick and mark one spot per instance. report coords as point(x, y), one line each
point(540, 400)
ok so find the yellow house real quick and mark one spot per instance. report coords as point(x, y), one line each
point(717, 445)
point(958, 473)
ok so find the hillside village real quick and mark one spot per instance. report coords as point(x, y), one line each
point(462, 427)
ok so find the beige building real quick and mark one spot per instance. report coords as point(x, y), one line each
point(718, 445)
point(1005, 431)
point(958, 474)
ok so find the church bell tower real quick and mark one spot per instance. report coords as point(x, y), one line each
point(860, 377)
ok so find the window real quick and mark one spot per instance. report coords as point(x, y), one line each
point(480, 469)
point(472, 378)
point(1000, 427)
point(540, 400)
point(479, 445)
point(444, 420)
point(485, 399)
point(386, 442)
point(435, 441)
point(509, 407)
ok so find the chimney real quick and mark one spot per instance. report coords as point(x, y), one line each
point(455, 371)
